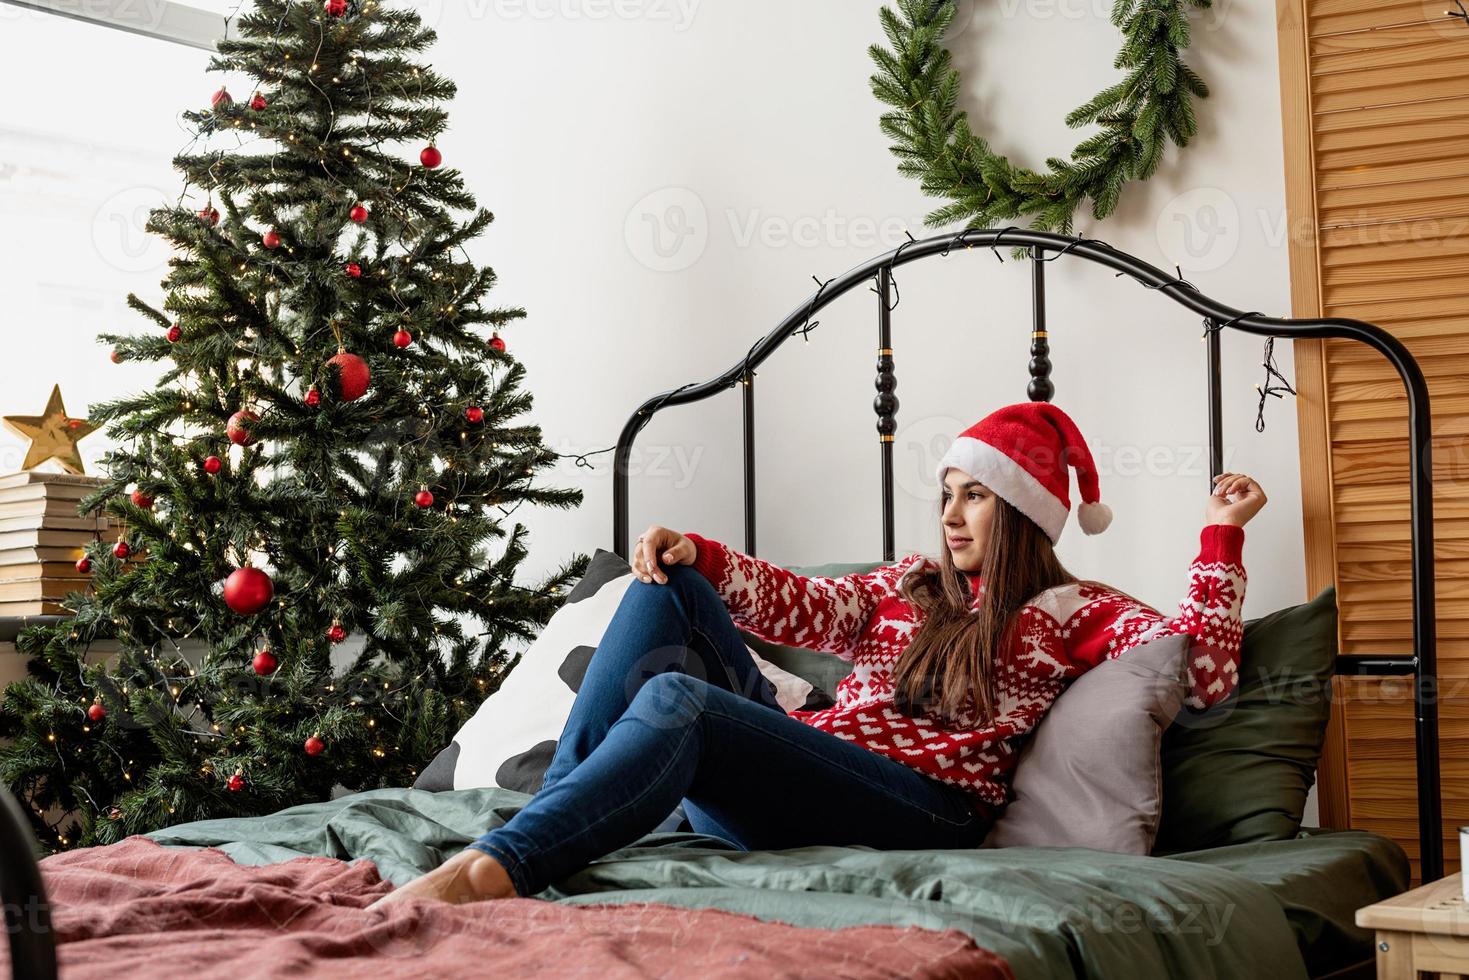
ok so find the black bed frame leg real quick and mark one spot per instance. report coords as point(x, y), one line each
point(886, 405)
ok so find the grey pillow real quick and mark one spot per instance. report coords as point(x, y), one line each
point(1090, 773)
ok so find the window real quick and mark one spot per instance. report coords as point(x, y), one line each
point(87, 137)
point(198, 23)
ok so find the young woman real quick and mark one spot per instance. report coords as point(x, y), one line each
point(954, 662)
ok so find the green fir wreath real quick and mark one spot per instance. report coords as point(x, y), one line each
point(1139, 115)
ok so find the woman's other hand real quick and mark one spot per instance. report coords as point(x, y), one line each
point(1236, 499)
point(660, 544)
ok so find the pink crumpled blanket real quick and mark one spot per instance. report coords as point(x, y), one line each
point(138, 909)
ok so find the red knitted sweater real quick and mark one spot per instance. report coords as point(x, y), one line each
point(1061, 634)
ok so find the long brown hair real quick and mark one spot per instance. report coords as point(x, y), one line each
point(955, 651)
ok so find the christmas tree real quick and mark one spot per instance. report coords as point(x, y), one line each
point(332, 453)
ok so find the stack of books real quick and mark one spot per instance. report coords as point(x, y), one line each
point(41, 538)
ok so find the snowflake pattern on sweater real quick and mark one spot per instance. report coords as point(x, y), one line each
point(1060, 635)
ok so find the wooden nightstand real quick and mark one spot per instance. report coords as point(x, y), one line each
point(1424, 929)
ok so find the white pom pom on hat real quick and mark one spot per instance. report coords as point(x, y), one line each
point(1094, 518)
point(1024, 453)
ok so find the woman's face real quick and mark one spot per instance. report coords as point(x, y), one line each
point(968, 511)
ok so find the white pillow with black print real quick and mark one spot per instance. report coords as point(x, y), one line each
point(512, 738)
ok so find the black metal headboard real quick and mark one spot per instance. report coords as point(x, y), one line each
point(1044, 247)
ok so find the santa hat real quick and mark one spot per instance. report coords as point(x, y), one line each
point(1021, 453)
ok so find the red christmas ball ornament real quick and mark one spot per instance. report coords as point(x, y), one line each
point(122, 549)
point(209, 215)
point(221, 99)
point(313, 397)
point(212, 465)
point(431, 157)
point(258, 103)
point(264, 663)
point(236, 782)
point(360, 214)
point(424, 498)
point(475, 414)
point(96, 712)
point(175, 334)
point(355, 375)
point(247, 591)
point(336, 8)
point(84, 565)
point(141, 499)
point(496, 342)
point(402, 339)
point(116, 357)
point(314, 745)
point(354, 270)
point(271, 239)
point(238, 427)
point(336, 633)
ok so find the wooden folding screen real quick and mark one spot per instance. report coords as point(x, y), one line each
point(1375, 105)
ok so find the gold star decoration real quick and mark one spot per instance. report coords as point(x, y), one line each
point(53, 435)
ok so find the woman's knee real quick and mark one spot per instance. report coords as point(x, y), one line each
point(682, 579)
point(672, 699)
point(653, 599)
point(676, 684)
point(682, 593)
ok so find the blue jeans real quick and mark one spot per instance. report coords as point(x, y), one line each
point(673, 709)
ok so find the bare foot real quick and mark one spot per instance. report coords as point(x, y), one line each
point(469, 876)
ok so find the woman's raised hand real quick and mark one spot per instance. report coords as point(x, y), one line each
point(660, 544)
point(1248, 499)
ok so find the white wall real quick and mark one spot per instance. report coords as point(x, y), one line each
point(756, 114)
point(585, 124)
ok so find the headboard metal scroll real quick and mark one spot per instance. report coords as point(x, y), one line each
point(1421, 663)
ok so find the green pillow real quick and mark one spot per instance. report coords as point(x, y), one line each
point(1239, 772)
point(823, 670)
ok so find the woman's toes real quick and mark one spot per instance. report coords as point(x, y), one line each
point(417, 888)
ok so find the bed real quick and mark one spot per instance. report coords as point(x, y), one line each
point(1260, 910)
point(1275, 908)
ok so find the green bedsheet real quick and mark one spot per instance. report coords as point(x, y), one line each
point(1249, 910)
